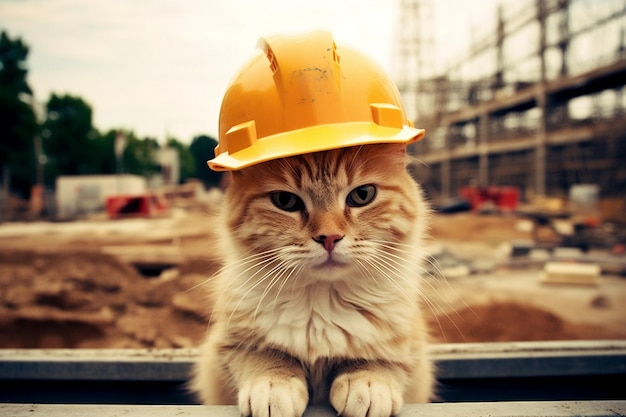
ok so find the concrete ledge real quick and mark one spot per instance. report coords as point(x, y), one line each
point(498, 409)
point(473, 372)
point(454, 360)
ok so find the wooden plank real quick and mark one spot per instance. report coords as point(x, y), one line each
point(572, 273)
point(496, 409)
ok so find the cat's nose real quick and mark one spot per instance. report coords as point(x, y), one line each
point(328, 241)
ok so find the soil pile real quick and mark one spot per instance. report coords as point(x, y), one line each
point(508, 322)
point(92, 300)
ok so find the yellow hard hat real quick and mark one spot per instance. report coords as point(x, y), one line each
point(302, 94)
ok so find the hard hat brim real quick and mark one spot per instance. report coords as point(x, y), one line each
point(314, 139)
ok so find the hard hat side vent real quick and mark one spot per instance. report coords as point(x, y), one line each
point(387, 115)
point(241, 136)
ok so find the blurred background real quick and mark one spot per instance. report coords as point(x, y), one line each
point(108, 113)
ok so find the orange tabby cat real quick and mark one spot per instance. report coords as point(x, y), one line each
point(319, 298)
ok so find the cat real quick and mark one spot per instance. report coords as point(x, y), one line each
point(319, 299)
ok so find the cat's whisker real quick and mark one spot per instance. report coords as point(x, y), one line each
point(258, 268)
point(398, 246)
point(436, 309)
point(235, 290)
point(374, 277)
point(375, 263)
point(366, 271)
point(389, 260)
point(264, 265)
point(437, 312)
point(403, 254)
point(264, 259)
point(276, 277)
point(200, 284)
point(292, 272)
point(390, 268)
point(261, 258)
point(283, 276)
point(253, 258)
point(398, 263)
point(431, 280)
point(400, 253)
point(396, 258)
point(440, 277)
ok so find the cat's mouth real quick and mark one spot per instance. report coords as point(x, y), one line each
point(330, 264)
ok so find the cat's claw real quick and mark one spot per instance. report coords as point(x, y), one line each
point(273, 397)
point(365, 393)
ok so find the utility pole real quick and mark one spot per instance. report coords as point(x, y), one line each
point(119, 146)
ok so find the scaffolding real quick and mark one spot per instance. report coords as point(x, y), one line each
point(413, 50)
point(538, 104)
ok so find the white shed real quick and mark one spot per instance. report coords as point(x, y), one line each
point(78, 195)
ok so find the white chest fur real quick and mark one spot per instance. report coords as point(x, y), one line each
point(327, 320)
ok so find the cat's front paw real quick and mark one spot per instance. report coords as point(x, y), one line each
point(276, 397)
point(365, 393)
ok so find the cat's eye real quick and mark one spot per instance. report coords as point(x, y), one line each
point(361, 196)
point(287, 201)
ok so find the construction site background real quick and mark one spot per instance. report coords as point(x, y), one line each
point(537, 103)
point(523, 161)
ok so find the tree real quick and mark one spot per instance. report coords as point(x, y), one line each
point(69, 137)
point(18, 125)
point(202, 149)
point(104, 161)
point(140, 156)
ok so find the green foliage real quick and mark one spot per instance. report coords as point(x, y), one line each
point(68, 137)
point(104, 161)
point(71, 144)
point(203, 148)
point(74, 147)
point(140, 156)
point(18, 125)
point(13, 54)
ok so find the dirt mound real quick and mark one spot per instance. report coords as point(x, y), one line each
point(93, 300)
point(509, 321)
point(90, 299)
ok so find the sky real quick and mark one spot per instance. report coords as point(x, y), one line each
point(160, 67)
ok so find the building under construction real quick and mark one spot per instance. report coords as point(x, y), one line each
point(539, 104)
